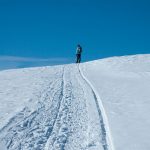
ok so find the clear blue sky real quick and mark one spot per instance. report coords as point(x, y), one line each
point(53, 28)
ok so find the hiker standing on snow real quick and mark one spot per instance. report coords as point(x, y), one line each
point(78, 53)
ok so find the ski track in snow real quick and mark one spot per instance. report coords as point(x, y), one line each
point(102, 125)
point(67, 116)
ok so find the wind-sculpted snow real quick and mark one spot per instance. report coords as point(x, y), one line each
point(63, 115)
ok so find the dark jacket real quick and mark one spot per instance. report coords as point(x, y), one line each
point(79, 50)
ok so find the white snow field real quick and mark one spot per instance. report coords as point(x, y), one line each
point(98, 105)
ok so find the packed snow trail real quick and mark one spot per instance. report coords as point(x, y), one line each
point(65, 117)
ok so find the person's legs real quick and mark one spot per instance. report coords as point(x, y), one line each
point(77, 58)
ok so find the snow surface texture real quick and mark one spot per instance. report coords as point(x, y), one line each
point(123, 84)
point(99, 105)
point(54, 109)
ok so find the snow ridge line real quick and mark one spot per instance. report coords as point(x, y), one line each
point(105, 126)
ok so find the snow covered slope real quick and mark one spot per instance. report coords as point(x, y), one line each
point(49, 108)
point(99, 105)
point(123, 84)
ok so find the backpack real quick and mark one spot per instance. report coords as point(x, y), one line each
point(79, 50)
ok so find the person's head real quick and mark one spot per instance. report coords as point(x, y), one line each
point(78, 45)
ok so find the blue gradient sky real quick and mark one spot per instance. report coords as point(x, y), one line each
point(53, 28)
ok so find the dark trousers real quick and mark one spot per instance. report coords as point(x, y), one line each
point(78, 58)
